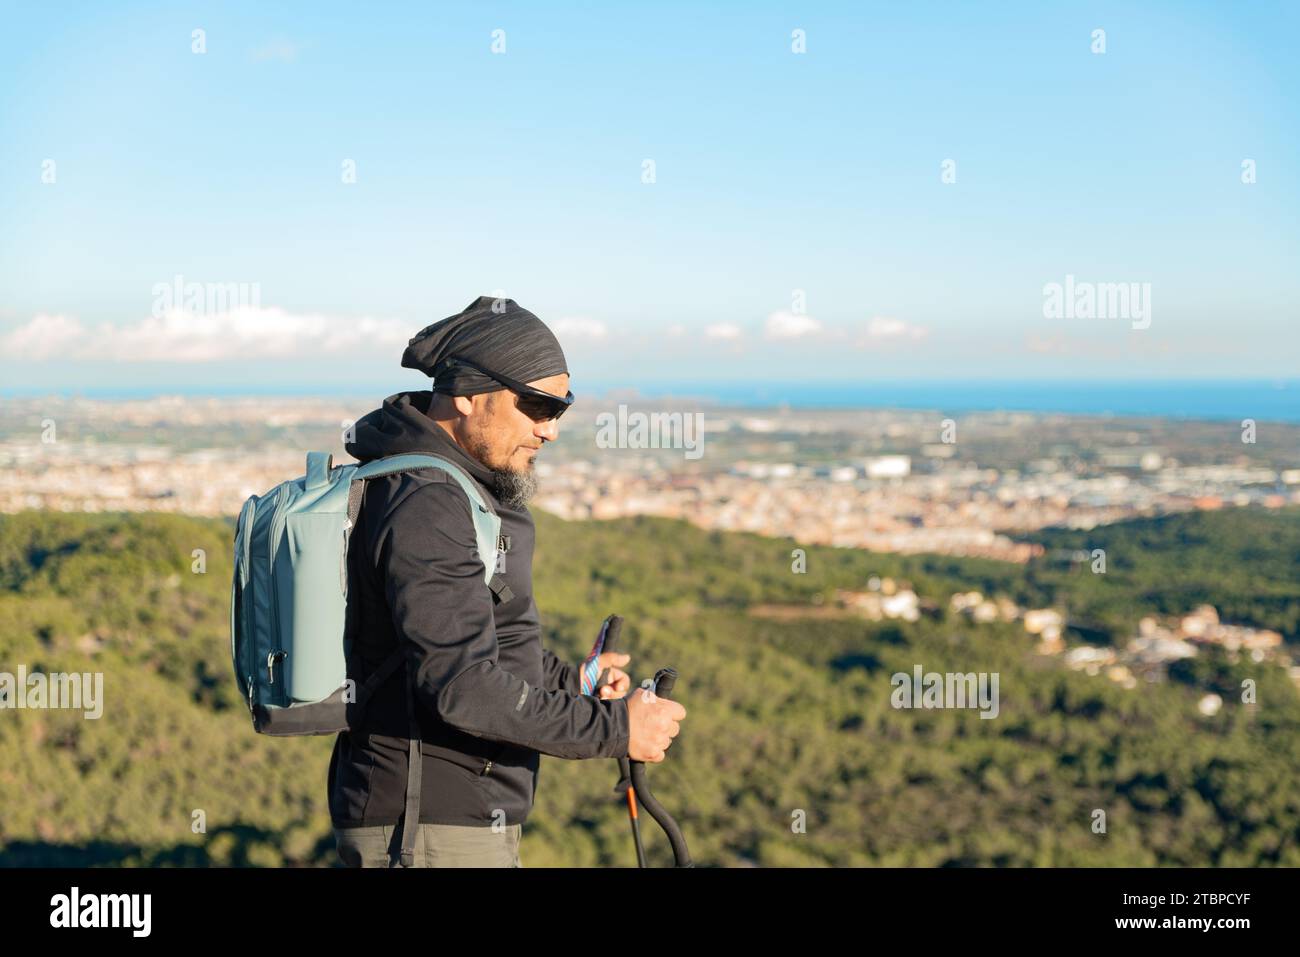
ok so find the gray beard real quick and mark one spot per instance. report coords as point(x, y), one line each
point(515, 489)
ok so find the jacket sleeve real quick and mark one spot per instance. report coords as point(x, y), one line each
point(560, 675)
point(442, 611)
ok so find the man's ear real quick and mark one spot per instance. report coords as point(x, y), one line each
point(464, 404)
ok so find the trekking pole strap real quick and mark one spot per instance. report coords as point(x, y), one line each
point(607, 640)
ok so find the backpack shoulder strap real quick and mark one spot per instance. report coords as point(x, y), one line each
point(487, 524)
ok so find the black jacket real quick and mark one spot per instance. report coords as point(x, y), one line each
point(490, 700)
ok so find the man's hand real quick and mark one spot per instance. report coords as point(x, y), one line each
point(618, 683)
point(652, 725)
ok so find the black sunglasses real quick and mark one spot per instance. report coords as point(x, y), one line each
point(537, 405)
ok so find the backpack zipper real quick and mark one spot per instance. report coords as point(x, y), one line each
point(486, 768)
point(277, 519)
point(343, 559)
point(244, 571)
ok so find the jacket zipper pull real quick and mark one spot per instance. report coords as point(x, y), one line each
point(486, 768)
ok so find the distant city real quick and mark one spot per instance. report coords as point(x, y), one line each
point(896, 480)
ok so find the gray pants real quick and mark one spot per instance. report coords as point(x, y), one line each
point(436, 845)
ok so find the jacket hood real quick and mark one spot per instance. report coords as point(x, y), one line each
point(402, 424)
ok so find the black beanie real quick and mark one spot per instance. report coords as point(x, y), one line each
point(497, 334)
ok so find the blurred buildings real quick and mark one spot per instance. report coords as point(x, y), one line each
point(863, 479)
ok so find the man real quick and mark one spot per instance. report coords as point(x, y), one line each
point(488, 699)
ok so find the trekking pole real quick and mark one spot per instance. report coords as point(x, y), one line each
point(613, 627)
point(665, 678)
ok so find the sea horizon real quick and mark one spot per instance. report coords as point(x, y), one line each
point(1275, 400)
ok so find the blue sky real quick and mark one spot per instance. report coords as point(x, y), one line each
point(521, 173)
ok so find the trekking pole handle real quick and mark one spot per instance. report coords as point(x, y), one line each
point(613, 630)
point(665, 678)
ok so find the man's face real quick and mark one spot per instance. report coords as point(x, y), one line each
point(503, 438)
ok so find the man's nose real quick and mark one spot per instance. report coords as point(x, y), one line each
point(548, 431)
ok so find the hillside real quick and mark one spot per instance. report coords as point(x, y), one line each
point(1242, 560)
point(785, 715)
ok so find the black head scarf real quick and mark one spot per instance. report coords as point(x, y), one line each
point(497, 334)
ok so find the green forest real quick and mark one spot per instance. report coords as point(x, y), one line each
point(792, 753)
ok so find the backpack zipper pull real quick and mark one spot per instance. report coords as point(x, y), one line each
point(271, 659)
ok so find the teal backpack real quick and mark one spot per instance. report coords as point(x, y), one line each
point(289, 637)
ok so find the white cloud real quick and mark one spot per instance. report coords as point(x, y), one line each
point(790, 325)
point(181, 336)
point(722, 330)
point(882, 327)
point(45, 337)
point(579, 328)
